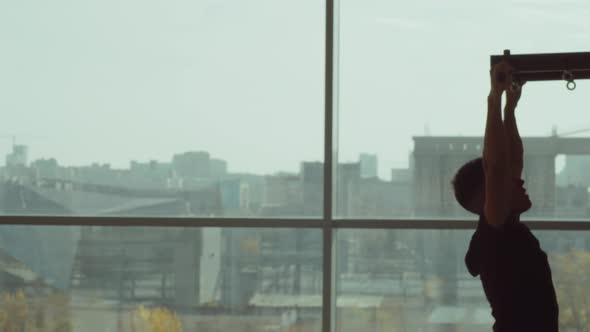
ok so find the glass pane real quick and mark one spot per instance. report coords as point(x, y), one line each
point(191, 108)
point(399, 279)
point(188, 279)
point(416, 280)
point(412, 104)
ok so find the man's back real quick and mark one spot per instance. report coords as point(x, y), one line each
point(515, 275)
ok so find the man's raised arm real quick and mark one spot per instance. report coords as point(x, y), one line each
point(516, 149)
point(496, 158)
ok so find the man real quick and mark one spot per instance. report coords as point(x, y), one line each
point(513, 269)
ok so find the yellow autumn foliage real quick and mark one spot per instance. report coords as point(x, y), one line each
point(13, 311)
point(571, 276)
point(19, 314)
point(155, 320)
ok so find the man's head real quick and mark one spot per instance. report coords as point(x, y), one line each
point(469, 187)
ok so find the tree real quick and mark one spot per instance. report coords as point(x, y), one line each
point(13, 311)
point(155, 320)
point(571, 273)
point(19, 314)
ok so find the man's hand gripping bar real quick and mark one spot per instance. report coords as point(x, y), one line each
point(546, 67)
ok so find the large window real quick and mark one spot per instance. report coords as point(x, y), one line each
point(416, 280)
point(132, 279)
point(225, 165)
point(197, 108)
point(413, 81)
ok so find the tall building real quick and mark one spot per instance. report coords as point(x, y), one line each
point(283, 195)
point(348, 189)
point(369, 168)
point(401, 174)
point(377, 199)
point(46, 168)
point(438, 158)
point(152, 174)
point(282, 189)
point(217, 168)
point(18, 157)
point(575, 171)
point(312, 176)
point(572, 201)
point(194, 164)
point(234, 197)
point(402, 201)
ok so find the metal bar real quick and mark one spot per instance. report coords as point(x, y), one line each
point(405, 224)
point(328, 113)
point(161, 222)
point(455, 224)
point(450, 224)
point(544, 61)
point(546, 66)
point(328, 279)
point(559, 225)
point(327, 261)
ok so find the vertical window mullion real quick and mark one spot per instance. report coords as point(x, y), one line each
point(328, 293)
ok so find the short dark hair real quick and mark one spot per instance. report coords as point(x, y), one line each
point(468, 181)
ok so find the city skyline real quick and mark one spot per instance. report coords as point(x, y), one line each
point(195, 183)
point(384, 174)
point(212, 75)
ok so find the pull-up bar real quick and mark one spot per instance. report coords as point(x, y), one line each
point(547, 66)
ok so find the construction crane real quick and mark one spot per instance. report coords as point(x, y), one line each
point(554, 132)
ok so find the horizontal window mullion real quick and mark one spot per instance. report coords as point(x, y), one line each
point(404, 224)
point(464, 224)
point(160, 222)
point(425, 224)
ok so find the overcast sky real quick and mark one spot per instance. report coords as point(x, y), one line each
point(119, 80)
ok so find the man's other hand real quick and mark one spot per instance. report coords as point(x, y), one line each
point(501, 78)
point(513, 95)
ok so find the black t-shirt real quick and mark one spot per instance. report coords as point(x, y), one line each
point(515, 275)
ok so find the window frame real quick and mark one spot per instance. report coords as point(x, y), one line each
point(327, 223)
